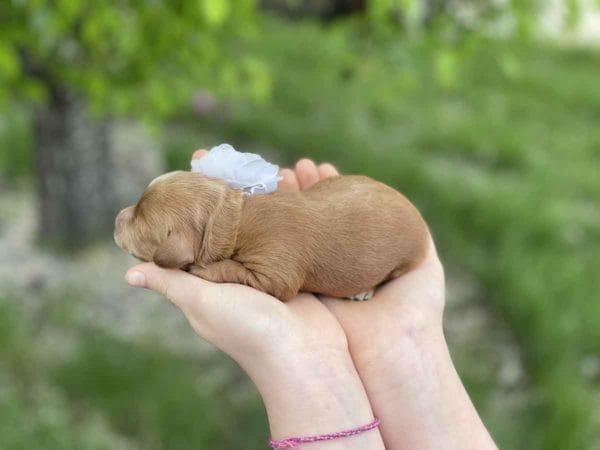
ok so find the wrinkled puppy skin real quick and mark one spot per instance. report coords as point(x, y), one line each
point(343, 236)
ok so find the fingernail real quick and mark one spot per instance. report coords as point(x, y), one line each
point(135, 278)
point(199, 154)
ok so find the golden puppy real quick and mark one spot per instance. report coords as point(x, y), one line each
point(342, 237)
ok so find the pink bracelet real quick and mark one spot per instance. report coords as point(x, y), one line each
point(294, 442)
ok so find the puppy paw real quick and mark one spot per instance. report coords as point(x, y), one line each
point(363, 296)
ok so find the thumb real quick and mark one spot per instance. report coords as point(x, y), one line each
point(178, 286)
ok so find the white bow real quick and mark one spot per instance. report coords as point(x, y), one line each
point(245, 171)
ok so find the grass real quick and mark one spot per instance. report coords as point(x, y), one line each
point(66, 387)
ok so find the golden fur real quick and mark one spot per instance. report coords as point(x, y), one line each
point(343, 236)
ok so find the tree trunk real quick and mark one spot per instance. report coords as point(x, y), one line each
point(76, 197)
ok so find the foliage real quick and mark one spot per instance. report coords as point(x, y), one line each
point(16, 143)
point(147, 58)
point(141, 57)
point(515, 17)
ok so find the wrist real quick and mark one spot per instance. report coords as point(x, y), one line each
point(410, 335)
point(415, 382)
point(313, 392)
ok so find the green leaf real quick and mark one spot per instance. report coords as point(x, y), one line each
point(379, 10)
point(526, 17)
point(68, 9)
point(215, 11)
point(509, 65)
point(411, 10)
point(229, 79)
point(34, 91)
point(446, 68)
point(9, 62)
point(573, 14)
point(135, 46)
point(259, 79)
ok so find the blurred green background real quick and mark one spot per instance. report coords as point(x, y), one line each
point(486, 114)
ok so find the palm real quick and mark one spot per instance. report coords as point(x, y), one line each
point(256, 317)
point(242, 321)
point(401, 306)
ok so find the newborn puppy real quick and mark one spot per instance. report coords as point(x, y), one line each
point(342, 237)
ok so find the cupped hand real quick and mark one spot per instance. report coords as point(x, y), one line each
point(295, 352)
point(397, 344)
point(401, 307)
point(247, 324)
point(239, 320)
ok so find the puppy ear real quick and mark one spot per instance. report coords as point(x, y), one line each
point(221, 229)
point(176, 251)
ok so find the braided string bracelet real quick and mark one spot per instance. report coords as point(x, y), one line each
point(296, 441)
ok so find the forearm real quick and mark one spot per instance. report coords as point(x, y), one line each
point(309, 394)
point(414, 389)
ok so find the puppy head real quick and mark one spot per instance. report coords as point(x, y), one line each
point(168, 223)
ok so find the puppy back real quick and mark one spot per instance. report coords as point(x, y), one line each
point(370, 232)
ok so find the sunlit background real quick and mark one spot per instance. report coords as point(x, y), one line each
point(485, 113)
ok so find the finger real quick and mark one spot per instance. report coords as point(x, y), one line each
point(178, 286)
point(289, 182)
point(199, 154)
point(307, 173)
point(327, 170)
